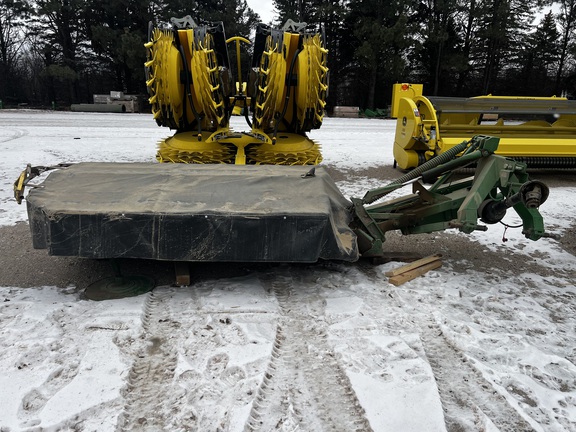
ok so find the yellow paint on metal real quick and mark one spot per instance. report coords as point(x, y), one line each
point(404, 90)
point(239, 149)
point(284, 107)
point(239, 83)
point(207, 88)
point(184, 147)
point(289, 149)
point(186, 37)
point(163, 66)
point(528, 127)
point(271, 86)
point(312, 83)
point(408, 126)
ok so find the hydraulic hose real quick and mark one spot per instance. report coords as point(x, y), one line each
point(417, 172)
point(433, 163)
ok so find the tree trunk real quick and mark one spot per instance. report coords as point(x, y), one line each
point(372, 86)
point(463, 75)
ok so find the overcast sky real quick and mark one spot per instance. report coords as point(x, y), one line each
point(264, 8)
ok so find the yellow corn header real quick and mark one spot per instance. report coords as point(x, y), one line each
point(192, 91)
point(540, 131)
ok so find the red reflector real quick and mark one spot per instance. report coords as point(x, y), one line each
point(405, 87)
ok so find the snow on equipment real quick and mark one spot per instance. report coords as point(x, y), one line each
point(540, 131)
point(234, 199)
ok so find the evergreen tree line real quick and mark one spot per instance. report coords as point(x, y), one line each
point(64, 51)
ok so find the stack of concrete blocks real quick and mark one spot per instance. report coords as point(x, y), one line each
point(116, 102)
point(346, 111)
point(127, 103)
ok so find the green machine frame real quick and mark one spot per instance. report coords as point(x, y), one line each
point(498, 184)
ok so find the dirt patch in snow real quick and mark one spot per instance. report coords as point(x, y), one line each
point(385, 173)
point(568, 240)
point(18, 256)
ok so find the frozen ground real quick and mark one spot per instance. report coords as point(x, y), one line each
point(485, 343)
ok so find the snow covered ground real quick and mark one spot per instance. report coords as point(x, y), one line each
point(331, 347)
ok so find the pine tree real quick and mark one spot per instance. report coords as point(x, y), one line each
point(437, 53)
point(381, 38)
point(59, 26)
point(12, 22)
point(499, 38)
point(567, 23)
point(538, 61)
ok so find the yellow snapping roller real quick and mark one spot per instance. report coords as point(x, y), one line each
point(540, 131)
point(191, 91)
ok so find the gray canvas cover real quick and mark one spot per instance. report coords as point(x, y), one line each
point(184, 212)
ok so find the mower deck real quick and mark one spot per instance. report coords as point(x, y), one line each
point(180, 212)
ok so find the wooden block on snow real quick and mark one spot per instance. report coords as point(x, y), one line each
point(413, 270)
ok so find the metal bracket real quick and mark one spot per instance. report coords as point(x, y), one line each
point(293, 26)
point(186, 22)
point(28, 174)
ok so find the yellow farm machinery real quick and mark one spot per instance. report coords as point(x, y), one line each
point(540, 131)
point(231, 197)
point(192, 91)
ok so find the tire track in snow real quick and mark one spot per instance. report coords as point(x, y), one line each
point(304, 387)
point(62, 374)
point(211, 390)
point(18, 133)
point(468, 399)
point(152, 371)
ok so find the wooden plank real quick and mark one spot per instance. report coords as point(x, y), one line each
point(414, 273)
point(407, 267)
point(182, 270)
